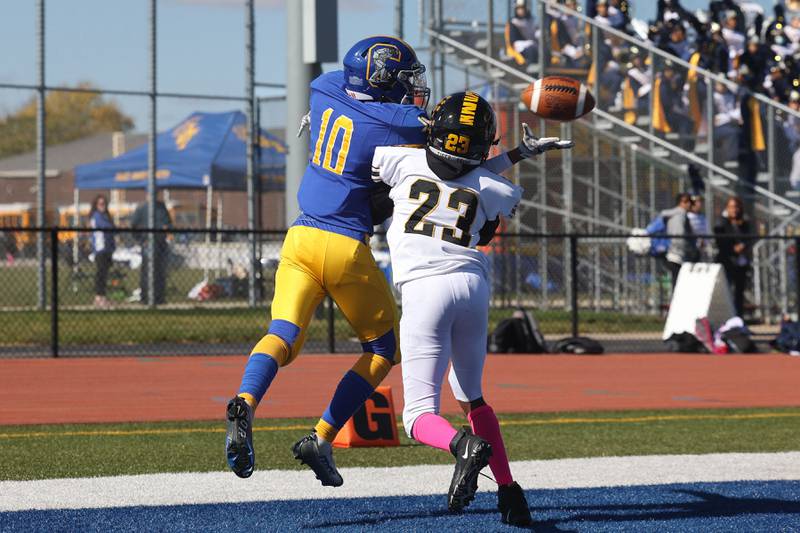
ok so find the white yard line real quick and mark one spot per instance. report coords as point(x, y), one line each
point(270, 485)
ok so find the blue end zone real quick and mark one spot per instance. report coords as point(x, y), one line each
point(740, 506)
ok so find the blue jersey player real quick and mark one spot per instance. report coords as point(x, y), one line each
point(370, 103)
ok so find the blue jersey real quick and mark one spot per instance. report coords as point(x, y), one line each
point(335, 191)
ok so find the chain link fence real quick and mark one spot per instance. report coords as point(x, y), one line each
point(591, 285)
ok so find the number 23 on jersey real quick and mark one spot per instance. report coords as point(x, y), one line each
point(459, 198)
point(342, 124)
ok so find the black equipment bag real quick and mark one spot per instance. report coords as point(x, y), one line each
point(684, 343)
point(517, 335)
point(739, 341)
point(578, 346)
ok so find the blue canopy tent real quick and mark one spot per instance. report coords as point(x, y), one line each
point(205, 150)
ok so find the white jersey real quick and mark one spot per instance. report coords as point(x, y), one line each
point(436, 223)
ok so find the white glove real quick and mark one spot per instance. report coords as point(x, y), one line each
point(305, 122)
point(531, 146)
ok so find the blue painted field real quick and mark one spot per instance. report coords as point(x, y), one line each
point(731, 506)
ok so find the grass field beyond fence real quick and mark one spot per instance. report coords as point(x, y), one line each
point(206, 324)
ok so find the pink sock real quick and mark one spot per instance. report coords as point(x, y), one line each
point(433, 430)
point(484, 424)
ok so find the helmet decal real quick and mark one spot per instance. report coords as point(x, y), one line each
point(385, 69)
point(468, 107)
point(377, 56)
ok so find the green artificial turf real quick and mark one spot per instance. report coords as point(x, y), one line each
point(56, 451)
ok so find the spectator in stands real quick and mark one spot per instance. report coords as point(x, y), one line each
point(677, 44)
point(757, 58)
point(751, 134)
point(568, 38)
point(620, 14)
point(715, 49)
point(722, 10)
point(727, 124)
point(777, 86)
point(608, 12)
point(102, 247)
point(604, 14)
point(636, 87)
point(682, 245)
point(523, 33)
point(163, 222)
point(792, 31)
point(671, 109)
point(734, 38)
point(734, 251)
point(791, 130)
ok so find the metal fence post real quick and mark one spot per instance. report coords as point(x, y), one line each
point(710, 143)
point(543, 251)
point(542, 41)
point(53, 290)
point(41, 113)
point(331, 326)
point(152, 163)
point(440, 64)
point(573, 264)
point(398, 18)
point(489, 29)
point(253, 174)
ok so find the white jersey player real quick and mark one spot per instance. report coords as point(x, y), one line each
point(445, 204)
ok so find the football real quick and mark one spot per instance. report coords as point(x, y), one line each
point(558, 98)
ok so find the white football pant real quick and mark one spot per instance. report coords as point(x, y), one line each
point(445, 318)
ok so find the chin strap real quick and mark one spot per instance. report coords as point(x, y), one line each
point(531, 145)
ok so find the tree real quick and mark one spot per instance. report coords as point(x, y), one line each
point(70, 116)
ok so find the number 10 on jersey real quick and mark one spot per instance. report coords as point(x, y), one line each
point(341, 124)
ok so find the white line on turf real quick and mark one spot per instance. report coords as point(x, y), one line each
point(271, 485)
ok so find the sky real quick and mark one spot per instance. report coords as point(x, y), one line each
point(200, 46)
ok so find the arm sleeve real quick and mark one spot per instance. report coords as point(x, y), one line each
point(381, 205)
point(671, 212)
point(498, 164)
point(502, 198)
point(406, 127)
point(384, 166)
point(487, 231)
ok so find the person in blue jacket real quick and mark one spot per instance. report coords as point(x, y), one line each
point(102, 246)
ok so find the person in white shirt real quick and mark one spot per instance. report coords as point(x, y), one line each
point(446, 203)
point(733, 38)
point(727, 124)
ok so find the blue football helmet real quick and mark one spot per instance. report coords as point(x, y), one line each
point(385, 69)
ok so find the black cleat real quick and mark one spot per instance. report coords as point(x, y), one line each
point(513, 506)
point(472, 454)
point(239, 437)
point(319, 457)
